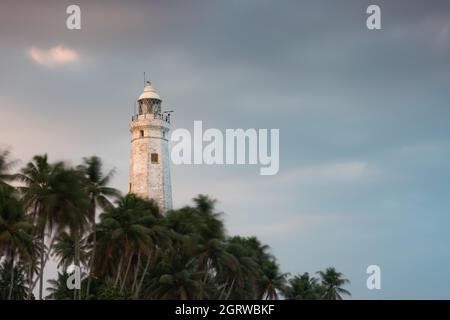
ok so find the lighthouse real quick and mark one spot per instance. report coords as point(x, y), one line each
point(149, 176)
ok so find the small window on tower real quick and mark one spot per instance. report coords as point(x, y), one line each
point(154, 158)
point(141, 133)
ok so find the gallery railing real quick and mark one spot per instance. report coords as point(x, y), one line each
point(156, 116)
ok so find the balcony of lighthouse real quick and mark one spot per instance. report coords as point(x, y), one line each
point(164, 117)
point(158, 121)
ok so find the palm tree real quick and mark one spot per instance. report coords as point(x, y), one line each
point(212, 258)
point(64, 250)
point(272, 280)
point(70, 207)
point(333, 283)
point(159, 240)
point(124, 232)
point(210, 253)
point(175, 277)
point(58, 288)
point(107, 291)
point(12, 282)
point(304, 287)
point(57, 200)
point(99, 194)
point(211, 226)
point(15, 237)
point(37, 176)
point(199, 232)
point(5, 166)
point(31, 262)
point(243, 283)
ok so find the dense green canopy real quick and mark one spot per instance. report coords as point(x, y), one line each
point(125, 248)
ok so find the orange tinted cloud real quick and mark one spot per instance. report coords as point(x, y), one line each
point(58, 55)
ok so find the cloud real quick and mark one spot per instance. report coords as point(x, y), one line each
point(55, 56)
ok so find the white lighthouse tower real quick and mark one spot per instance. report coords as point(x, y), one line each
point(149, 161)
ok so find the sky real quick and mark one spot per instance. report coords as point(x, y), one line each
point(364, 117)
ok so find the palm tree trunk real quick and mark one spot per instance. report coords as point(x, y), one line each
point(31, 283)
point(77, 264)
point(119, 269)
point(94, 245)
point(30, 280)
point(231, 288)
point(222, 292)
point(136, 271)
point(45, 260)
point(11, 283)
point(126, 273)
point(141, 281)
point(41, 271)
point(207, 270)
point(91, 264)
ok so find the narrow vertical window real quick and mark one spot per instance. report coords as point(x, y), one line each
point(154, 158)
point(141, 133)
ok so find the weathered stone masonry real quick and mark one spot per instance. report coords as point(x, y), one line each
point(149, 161)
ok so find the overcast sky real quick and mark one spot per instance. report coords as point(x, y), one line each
point(363, 117)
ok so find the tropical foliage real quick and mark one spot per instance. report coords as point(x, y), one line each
point(328, 287)
point(125, 248)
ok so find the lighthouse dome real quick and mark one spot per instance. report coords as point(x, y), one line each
point(149, 92)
